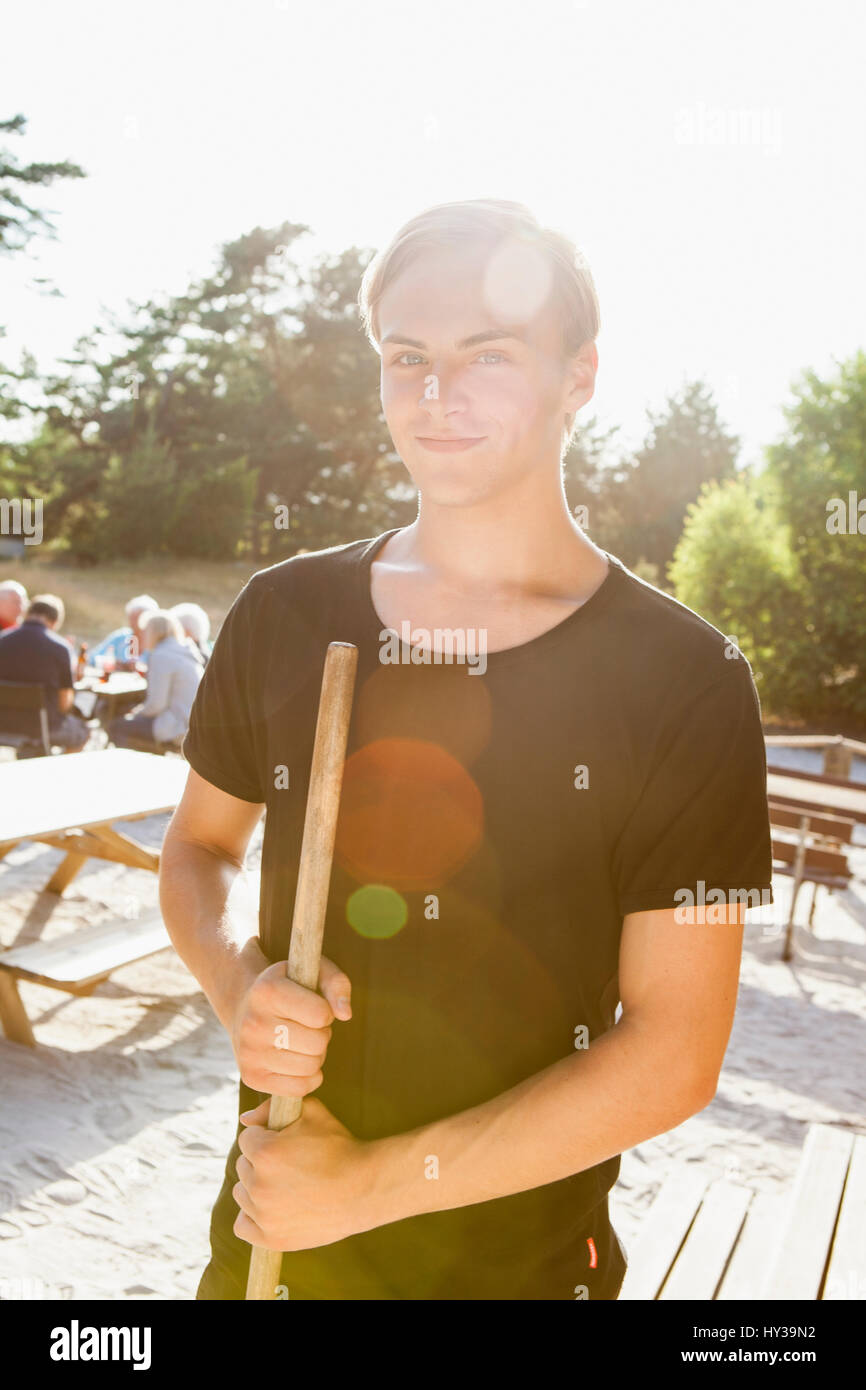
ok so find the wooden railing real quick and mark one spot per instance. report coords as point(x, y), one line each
point(838, 751)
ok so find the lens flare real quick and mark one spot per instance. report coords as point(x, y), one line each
point(517, 281)
point(410, 814)
point(376, 911)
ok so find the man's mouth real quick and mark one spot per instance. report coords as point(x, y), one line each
point(449, 443)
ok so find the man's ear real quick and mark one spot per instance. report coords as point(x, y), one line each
point(580, 374)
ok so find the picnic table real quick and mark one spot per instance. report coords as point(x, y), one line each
point(121, 689)
point(71, 802)
point(808, 792)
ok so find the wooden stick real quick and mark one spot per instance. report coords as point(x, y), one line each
point(314, 875)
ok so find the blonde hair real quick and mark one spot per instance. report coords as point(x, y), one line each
point(162, 624)
point(48, 606)
point(489, 221)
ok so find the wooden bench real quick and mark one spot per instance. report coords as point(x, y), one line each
point(720, 1240)
point(75, 963)
point(815, 856)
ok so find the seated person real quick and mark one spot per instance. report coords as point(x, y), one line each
point(13, 602)
point(173, 674)
point(196, 624)
point(124, 643)
point(35, 654)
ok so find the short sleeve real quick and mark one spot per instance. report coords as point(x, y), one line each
point(226, 731)
point(702, 814)
point(65, 678)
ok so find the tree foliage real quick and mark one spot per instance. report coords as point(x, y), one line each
point(756, 557)
point(21, 220)
point(197, 426)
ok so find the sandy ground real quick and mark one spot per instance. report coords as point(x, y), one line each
point(114, 1130)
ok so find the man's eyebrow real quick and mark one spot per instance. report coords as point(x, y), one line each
point(489, 335)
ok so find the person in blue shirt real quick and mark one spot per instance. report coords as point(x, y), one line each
point(119, 643)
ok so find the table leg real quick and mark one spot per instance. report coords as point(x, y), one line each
point(125, 850)
point(13, 1016)
point(65, 872)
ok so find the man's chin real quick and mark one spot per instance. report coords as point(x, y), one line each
point(454, 499)
point(453, 483)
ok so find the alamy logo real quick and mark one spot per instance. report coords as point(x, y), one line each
point(32, 1289)
point(21, 516)
point(687, 900)
point(76, 1343)
point(465, 645)
point(717, 125)
point(847, 520)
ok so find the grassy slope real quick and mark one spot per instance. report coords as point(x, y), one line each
point(95, 597)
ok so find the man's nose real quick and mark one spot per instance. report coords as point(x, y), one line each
point(442, 389)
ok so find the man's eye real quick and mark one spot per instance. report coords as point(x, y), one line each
point(398, 361)
point(402, 362)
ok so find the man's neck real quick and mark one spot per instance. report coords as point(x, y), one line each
point(496, 548)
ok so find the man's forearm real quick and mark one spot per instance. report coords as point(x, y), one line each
point(630, 1085)
point(212, 921)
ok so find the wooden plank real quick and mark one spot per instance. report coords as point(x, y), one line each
point(797, 740)
point(838, 828)
point(662, 1232)
point(13, 1016)
point(824, 778)
point(701, 1263)
point(45, 796)
point(83, 957)
point(815, 741)
point(798, 1267)
point(810, 794)
point(124, 850)
point(102, 842)
point(65, 872)
point(755, 1249)
point(830, 862)
point(846, 1272)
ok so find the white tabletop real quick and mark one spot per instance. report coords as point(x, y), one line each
point(41, 796)
point(118, 683)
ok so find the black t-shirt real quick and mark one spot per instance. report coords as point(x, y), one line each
point(495, 827)
point(33, 654)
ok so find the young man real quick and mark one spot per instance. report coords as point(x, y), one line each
point(514, 842)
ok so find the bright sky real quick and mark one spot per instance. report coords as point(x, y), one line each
point(708, 158)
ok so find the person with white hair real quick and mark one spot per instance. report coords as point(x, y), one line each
point(124, 644)
point(173, 675)
point(196, 624)
point(13, 603)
